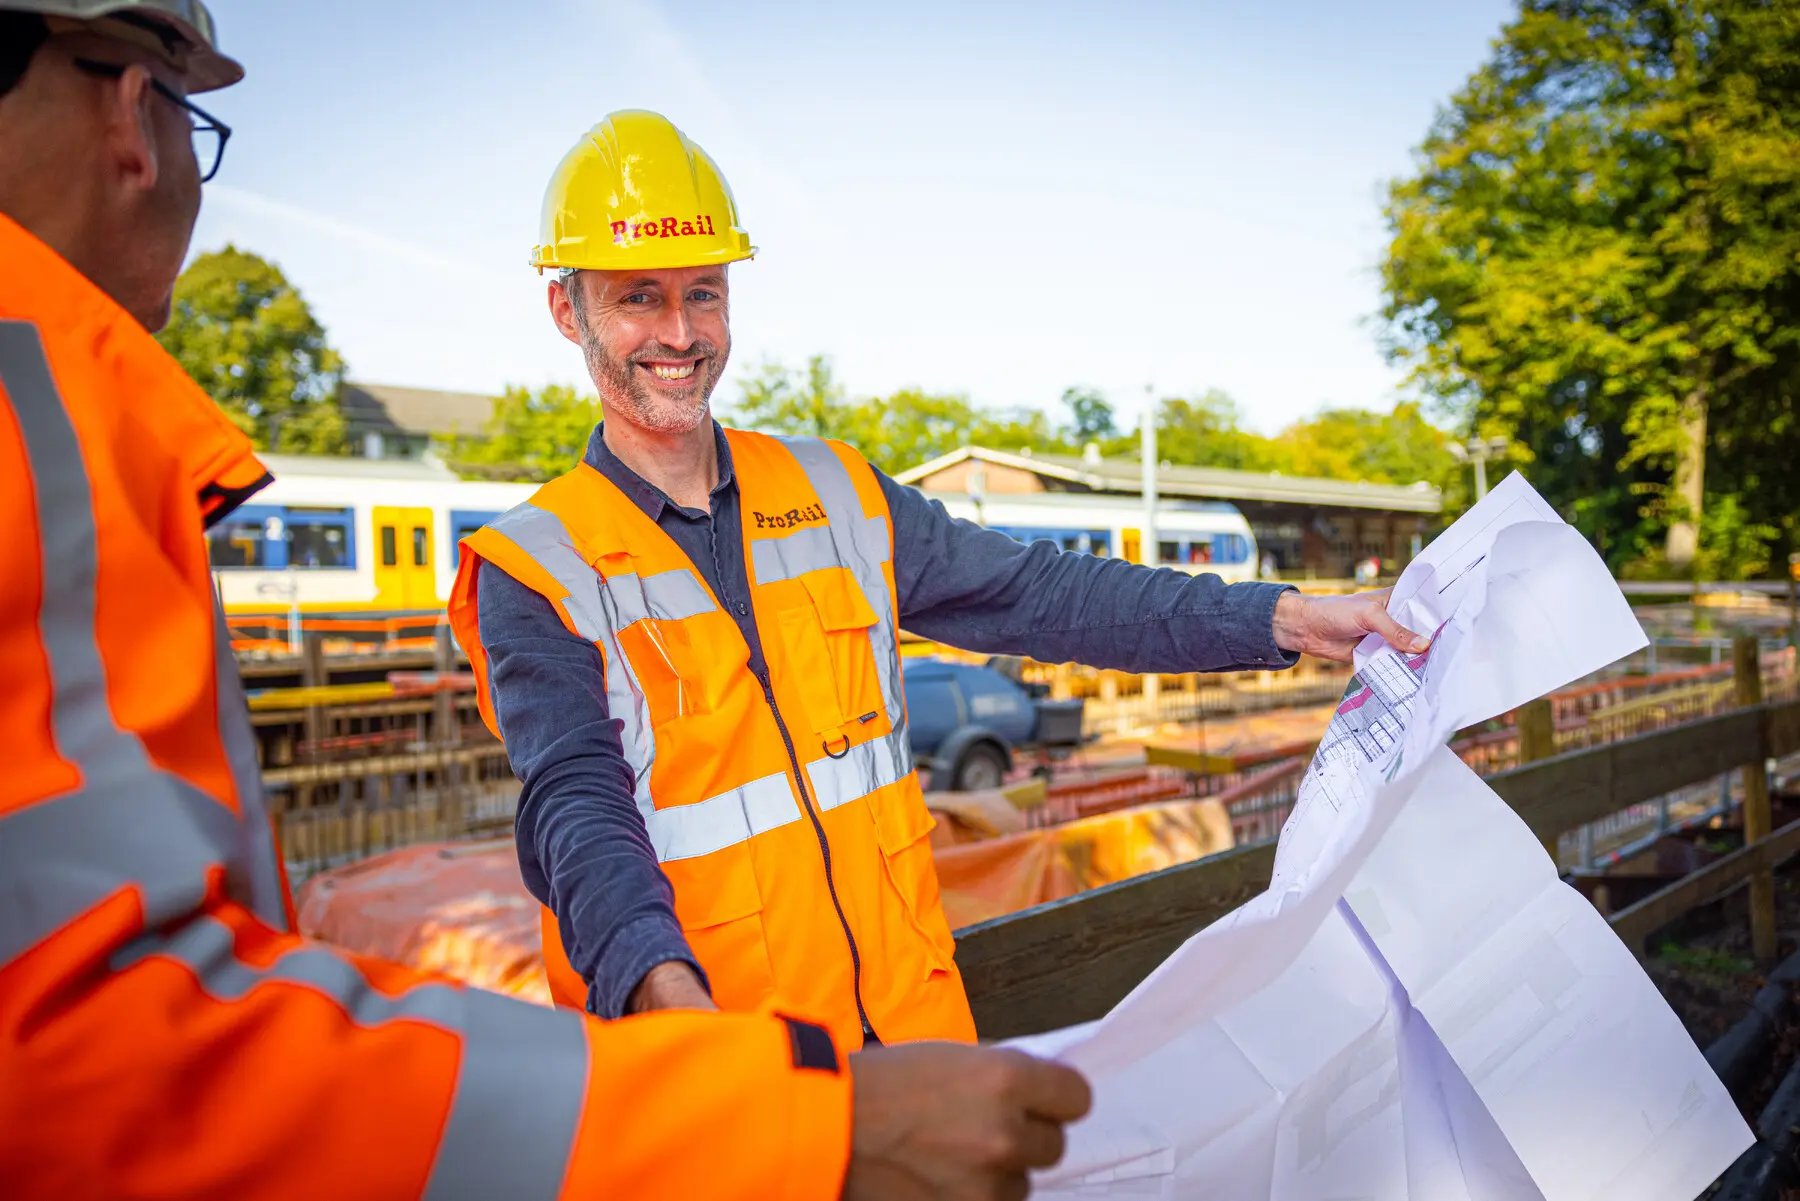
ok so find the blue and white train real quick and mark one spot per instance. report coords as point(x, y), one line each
point(368, 537)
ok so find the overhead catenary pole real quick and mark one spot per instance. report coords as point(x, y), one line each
point(1148, 544)
point(1147, 432)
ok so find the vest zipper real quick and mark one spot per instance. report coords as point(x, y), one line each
point(824, 850)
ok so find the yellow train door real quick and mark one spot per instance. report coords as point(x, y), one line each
point(404, 575)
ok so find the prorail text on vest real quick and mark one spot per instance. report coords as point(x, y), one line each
point(793, 517)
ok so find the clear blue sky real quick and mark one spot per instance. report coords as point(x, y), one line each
point(996, 199)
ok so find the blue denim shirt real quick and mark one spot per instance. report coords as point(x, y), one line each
point(583, 849)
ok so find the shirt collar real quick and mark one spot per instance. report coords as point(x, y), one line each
point(647, 496)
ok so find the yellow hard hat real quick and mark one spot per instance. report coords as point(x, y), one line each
point(636, 193)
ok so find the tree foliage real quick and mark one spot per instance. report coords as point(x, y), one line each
point(532, 436)
point(1599, 257)
point(893, 432)
point(911, 427)
point(1090, 416)
point(246, 335)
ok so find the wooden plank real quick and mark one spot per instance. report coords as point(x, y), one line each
point(1746, 674)
point(1636, 923)
point(1200, 763)
point(377, 765)
point(1072, 960)
point(1586, 785)
point(1536, 723)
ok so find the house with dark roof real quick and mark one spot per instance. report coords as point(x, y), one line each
point(1308, 527)
point(389, 422)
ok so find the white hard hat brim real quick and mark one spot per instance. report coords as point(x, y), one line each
point(202, 66)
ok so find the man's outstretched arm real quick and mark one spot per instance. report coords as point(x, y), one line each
point(981, 590)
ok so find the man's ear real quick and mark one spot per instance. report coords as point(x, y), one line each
point(131, 129)
point(562, 308)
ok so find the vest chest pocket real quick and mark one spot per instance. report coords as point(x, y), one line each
point(661, 654)
point(829, 655)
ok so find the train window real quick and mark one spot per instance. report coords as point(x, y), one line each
point(390, 547)
point(421, 547)
point(1200, 550)
point(318, 537)
point(236, 542)
point(1231, 548)
point(1168, 552)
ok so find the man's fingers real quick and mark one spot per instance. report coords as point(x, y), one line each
point(1050, 1090)
point(1039, 1144)
point(1397, 635)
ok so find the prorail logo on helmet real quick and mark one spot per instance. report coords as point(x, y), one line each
point(625, 232)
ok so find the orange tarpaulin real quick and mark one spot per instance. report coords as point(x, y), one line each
point(461, 909)
point(982, 880)
point(455, 908)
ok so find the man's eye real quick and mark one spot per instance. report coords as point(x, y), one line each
point(702, 296)
point(638, 298)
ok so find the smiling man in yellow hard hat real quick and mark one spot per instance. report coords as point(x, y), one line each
point(689, 643)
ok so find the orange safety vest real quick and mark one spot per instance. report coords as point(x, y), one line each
point(162, 1033)
point(785, 812)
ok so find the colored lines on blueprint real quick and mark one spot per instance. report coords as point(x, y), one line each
point(1372, 717)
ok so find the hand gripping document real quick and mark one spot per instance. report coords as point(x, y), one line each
point(1417, 1009)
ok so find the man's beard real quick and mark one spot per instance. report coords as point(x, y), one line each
point(627, 392)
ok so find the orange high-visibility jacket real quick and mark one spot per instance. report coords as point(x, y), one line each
point(785, 811)
point(162, 1031)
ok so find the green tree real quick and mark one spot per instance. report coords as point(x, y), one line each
point(1599, 256)
point(1399, 447)
point(808, 402)
point(532, 436)
point(1205, 431)
point(246, 335)
point(893, 432)
point(1090, 416)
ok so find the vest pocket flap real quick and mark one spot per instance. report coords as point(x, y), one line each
point(840, 602)
point(900, 818)
point(716, 888)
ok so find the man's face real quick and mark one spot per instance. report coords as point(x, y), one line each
point(172, 204)
point(656, 342)
point(133, 148)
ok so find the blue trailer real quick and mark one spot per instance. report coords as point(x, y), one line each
point(968, 722)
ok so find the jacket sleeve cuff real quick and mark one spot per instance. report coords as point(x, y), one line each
point(637, 948)
point(727, 1106)
point(1250, 627)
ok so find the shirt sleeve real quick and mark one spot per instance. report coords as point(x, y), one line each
point(583, 849)
point(981, 590)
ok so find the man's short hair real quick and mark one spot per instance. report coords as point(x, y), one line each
point(20, 36)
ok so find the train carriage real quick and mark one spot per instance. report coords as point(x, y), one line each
point(374, 537)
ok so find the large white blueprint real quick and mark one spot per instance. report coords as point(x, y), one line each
point(1417, 1008)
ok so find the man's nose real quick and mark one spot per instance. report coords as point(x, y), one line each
point(673, 329)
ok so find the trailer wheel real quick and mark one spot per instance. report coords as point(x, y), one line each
point(981, 766)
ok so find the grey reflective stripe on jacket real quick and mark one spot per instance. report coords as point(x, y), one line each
point(601, 609)
point(127, 823)
point(522, 1082)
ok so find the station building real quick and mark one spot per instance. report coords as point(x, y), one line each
point(1304, 528)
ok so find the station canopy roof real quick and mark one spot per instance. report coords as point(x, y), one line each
point(1123, 476)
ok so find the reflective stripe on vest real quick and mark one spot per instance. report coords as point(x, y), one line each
point(129, 824)
point(516, 1058)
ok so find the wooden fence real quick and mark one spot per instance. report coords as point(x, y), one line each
point(1070, 961)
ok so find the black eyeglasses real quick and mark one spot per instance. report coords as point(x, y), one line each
point(210, 133)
